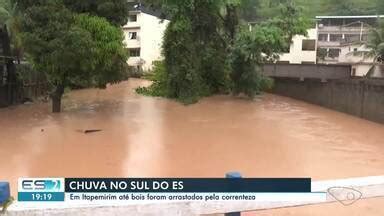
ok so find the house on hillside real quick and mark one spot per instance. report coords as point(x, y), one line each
point(339, 37)
point(143, 36)
point(334, 40)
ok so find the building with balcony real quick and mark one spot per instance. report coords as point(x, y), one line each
point(340, 37)
point(143, 36)
point(334, 40)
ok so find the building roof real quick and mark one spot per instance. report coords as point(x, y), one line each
point(151, 11)
point(350, 17)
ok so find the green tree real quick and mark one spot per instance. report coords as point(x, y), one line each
point(10, 20)
point(380, 7)
point(263, 44)
point(250, 10)
point(70, 47)
point(349, 7)
point(195, 49)
point(207, 50)
point(115, 11)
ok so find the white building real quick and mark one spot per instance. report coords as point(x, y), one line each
point(303, 49)
point(339, 37)
point(143, 37)
point(334, 41)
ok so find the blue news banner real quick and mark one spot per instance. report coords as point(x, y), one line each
point(136, 190)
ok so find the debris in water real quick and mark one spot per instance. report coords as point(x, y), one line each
point(89, 131)
point(92, 131)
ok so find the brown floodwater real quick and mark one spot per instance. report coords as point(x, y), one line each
point(271, 136)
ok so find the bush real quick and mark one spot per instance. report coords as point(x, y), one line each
point(135, 72)
point(159, 77)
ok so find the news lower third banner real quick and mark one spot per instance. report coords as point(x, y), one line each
point(135, 190)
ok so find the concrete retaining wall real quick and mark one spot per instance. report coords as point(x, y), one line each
point(360, 97)
point(302, 71)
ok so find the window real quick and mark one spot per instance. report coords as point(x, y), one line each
point(309, 45)
point(132, 35)
point(134, 52)
point(323, 37)
point(334, 53)
point(322, 53)
point(336, 37)
point(132, 18)
point(352, 38)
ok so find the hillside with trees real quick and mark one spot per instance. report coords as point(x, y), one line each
point(254, 10)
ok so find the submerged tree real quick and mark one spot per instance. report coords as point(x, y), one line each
point(69, 47)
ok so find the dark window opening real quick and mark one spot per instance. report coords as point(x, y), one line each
point(352, 38)
point(134, 52)
point(132, 35)
point(335, 37)
point(309, 45)
point(334, 53)
point(132, 18)
point(323, 37)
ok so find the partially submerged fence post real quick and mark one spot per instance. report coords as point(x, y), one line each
point(5, 192)
point(233, 175)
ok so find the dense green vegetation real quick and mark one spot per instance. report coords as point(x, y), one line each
point(263, 9)
point(209, 49)
point(10, 21)
point(115, 11)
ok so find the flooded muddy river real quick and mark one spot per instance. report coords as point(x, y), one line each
point(271, 136)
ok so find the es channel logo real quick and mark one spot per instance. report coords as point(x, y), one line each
point(41, 189)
